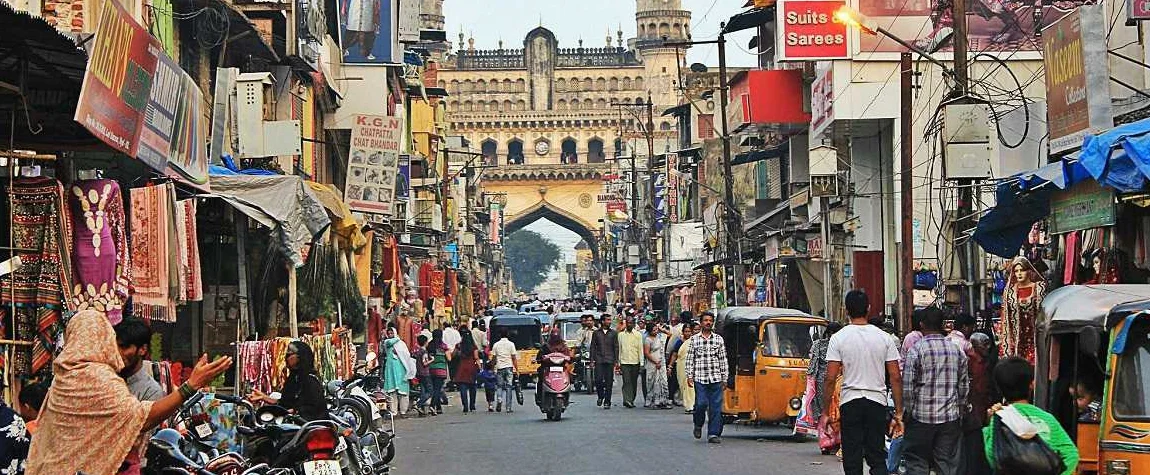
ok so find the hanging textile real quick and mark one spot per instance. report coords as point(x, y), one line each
point(363, 265)
point(41, 287)
point(154, 263)
point(101, 247)
point(262, 363)
point(191, 287)
point(424, 280)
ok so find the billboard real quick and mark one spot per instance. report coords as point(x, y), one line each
point(175, 130)
point(993, 25)
point(369, 31)
point(1077, 89)
point(808, 30)
point(372, 164)
point(118, 79)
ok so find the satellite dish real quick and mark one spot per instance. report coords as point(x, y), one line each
point(698, 67)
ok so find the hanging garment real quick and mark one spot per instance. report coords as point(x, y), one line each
point(1070, 253)
point(101, 247)
point(188, 251)
point(41, 287)
point(153, 257)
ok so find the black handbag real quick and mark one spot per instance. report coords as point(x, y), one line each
point(1015, 455)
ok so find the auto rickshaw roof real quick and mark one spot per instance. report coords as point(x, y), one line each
point(575, 316)
point(498, 311)
point(515, 321)
point(755, 314)
point(1071, 308)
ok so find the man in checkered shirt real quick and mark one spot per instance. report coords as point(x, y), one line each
point(706, 369)
point(935, 385)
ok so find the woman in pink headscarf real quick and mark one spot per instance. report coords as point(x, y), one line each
point(90, 421)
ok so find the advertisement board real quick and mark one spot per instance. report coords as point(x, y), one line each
point(174, 133)
point(409, 11)
point(1077, 89)
point(808, 30)
point(311, 28)
point(118, 79)
point(373, 163)
point(994, 26)
point(495, 234)
point(1138, 10)
point(369, 31)
point(822, 99)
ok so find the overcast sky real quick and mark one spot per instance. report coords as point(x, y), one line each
point(510, 20)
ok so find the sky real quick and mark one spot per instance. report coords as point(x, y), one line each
point(488, 21)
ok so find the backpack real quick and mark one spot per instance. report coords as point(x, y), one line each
point(1015, 455)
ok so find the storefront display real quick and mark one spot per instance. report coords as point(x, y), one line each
point(1023, 300)
point(101, 247)
point(262, 363)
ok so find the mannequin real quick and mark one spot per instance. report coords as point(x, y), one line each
point(1025, 290)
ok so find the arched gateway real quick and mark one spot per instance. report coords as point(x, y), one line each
point(564, 194)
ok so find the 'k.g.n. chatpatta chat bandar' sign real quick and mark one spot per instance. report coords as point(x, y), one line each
point(372, 164)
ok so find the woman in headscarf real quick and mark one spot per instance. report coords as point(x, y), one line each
point(90, 420)
point(654, 355)
point(467, 354)
point(398, 371)
point(556, 343)
point(303, 391)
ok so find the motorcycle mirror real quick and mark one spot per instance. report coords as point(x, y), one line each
point(276, 395)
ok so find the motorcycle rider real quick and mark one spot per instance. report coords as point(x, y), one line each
point(555, 344)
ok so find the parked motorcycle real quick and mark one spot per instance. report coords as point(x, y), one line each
point(554, 391)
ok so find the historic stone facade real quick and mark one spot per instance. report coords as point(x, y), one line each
point(542, 104)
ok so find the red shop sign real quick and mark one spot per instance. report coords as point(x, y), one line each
point(808, 31)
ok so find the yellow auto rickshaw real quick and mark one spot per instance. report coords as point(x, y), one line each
point(524, 331)
point(767, 352)
point(1098, 335)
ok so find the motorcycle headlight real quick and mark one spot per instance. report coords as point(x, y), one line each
point(796, 403)
point(1118, 467)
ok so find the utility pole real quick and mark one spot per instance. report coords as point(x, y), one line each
point(653, 252)
point(906, 196)
point(967, 250)
point(730, 215)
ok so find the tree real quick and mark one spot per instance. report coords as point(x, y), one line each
point(530, 257)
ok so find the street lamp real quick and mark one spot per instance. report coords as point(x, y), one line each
point(851, 17)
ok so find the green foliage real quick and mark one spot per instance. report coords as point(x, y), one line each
point(530, 258)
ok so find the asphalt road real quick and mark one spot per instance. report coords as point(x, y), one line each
point(590, 440)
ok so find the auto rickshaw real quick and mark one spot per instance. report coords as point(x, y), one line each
point(525, 332)
point(1098, 335)
point(767, 353)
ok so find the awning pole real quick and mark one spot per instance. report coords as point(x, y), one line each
point(293, 299)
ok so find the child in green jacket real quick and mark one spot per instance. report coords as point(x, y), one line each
point(1015, 379)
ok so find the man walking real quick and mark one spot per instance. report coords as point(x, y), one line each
point(605, 355)
point(935, 385)
point(865, 356)
point(706, 368)
point(503, 352)
point(630, 357)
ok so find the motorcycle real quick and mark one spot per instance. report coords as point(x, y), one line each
point(583, 377)
point(554, 391)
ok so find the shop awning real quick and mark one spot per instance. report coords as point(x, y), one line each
point(283, 203)
point(756, 155)
point(663, 283)
point(752, 18)
point(1120, 157)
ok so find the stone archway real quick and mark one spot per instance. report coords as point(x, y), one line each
point(556, 215)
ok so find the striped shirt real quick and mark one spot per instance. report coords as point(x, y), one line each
point(707, 359)
point(935, 380)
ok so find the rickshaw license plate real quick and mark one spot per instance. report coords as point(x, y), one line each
point(204, 430)
point(556, 369)
point(321, 467)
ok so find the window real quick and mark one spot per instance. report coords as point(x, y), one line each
point(665, 126)
point(561, 85)
point(741, 338)
point(706, 126)
point(1132, 381)
point(489, 149)
point(570, 152)
point(595, 151)
point(515, 152)
point(788, 340)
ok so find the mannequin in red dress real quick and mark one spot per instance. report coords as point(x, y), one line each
point(1021, 302)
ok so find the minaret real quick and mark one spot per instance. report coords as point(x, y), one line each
point(658, 21)
point(431, 18)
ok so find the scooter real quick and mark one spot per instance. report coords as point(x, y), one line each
point(554, 391)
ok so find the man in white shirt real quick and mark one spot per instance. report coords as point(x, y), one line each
point(503, 352)
point(866, 357)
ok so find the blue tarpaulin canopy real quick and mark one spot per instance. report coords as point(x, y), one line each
point(1118, 158)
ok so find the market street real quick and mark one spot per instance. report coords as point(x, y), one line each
point(590, 440)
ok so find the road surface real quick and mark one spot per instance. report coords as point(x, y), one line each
point(590, 440)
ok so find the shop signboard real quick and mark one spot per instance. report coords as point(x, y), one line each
point(496, 231)
point(771, 248)
point(369, 31)
point(372, 164)
point(409, 11)
point(118, 79)
point(660, 201)
point(175, 130)
point(815, 247)
point(822, 98)
point(925, 24)
point(808, 31)
point(1086, 205)
point(606, 197)
point(618, 205)
point(139, 101)
point(403, 179)
point(1138, 10)
point(1077, 77)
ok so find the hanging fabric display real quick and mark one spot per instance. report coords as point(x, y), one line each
point(191, 287)
point(262, 362)
point(154, 260)
point(101, 247)
point(41, 287)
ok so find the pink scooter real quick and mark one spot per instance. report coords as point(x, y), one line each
point(554, 391)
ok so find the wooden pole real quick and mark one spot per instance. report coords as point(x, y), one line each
point(906, 197)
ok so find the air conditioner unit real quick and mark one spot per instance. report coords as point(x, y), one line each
point(258, 137)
